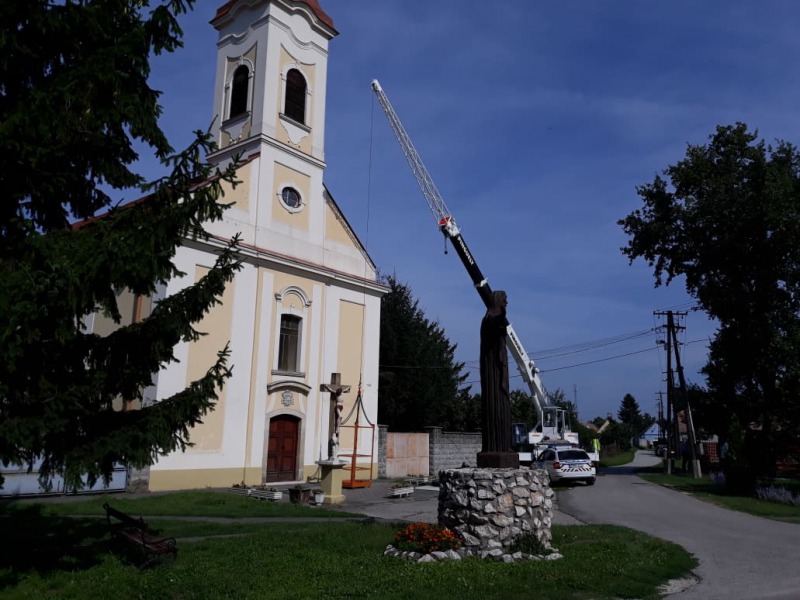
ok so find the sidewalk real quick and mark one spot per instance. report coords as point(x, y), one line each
point(422, 505)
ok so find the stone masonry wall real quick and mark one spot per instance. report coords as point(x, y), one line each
point(490, 508)
point(382, 433)
point(450, 450)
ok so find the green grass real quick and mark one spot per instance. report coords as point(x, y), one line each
point(320, 560)
point(616, 460)
point(707, 490)
point(200, 503)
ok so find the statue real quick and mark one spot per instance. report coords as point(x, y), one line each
point(333, 444)
point(336, 389)
point(496, 451)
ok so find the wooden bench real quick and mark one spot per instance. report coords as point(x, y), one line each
point(134, 532)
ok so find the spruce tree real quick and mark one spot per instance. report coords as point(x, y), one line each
point(419, 377)
point(74, 101)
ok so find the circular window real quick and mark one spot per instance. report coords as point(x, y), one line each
point(291, 197)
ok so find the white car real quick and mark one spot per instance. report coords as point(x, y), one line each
point(567, 464)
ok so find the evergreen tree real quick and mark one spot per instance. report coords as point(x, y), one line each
point(74, 99)
point(629, 413)
point(419, 378)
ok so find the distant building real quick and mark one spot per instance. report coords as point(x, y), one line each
point(649, 437)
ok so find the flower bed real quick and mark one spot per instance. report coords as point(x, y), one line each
point(426, 538)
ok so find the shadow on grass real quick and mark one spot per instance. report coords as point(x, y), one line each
point(44, 544)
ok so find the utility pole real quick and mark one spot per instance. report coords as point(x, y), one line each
point(672, 414)
point(696, 471)
point(660, 413)
point(575, 397)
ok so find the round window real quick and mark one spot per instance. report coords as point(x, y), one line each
point(291, 197)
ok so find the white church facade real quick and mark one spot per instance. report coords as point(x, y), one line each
point(306, 303)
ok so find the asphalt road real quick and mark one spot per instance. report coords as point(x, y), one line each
point(741, 556)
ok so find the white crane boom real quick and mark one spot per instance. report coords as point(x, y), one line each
point(558, 426)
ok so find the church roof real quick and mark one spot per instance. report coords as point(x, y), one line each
point(312, 4)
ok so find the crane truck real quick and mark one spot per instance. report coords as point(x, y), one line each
point(553, 424)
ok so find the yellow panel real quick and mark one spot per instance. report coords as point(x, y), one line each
point(240, 195)
point(202, 355)
point(284, 176)
point(351, 324)
point(335, 229)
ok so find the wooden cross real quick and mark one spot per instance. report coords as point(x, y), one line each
point(336, 389)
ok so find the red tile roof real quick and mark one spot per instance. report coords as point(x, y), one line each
point(312, 4)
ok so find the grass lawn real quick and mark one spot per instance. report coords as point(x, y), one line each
point(615, 460)
point(707, 490)
point(58, 556)
point(200, 503)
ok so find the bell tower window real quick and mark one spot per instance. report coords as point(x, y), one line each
point(240, 86)
point(295, 101)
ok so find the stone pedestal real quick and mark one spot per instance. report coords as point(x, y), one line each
point(491, 508)
point(332, 475)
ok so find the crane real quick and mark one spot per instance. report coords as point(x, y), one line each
point(553, 421)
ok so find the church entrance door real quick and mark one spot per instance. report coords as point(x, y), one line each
point(282, 448)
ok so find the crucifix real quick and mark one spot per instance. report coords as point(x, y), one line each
point(336, 390)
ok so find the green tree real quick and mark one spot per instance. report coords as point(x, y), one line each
point(629, 413)
point(74, 99)
point(522, 409)
point(726, 220)
point(419, 377)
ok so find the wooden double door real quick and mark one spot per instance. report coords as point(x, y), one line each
point(284, 432)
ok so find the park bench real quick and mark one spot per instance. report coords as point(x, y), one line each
point(133, 532)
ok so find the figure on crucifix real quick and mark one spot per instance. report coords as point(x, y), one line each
point(336, 389)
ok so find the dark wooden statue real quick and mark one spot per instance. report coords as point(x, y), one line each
point(496, 449)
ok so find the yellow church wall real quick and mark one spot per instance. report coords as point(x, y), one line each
point(239, 196)
point(351, 319)
point(284, 176)
point(192, 479)
point(334, 228)
point(207, 436)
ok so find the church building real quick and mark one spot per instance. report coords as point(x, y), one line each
point(306, 303)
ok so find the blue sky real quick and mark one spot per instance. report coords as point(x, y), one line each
point(537, 120)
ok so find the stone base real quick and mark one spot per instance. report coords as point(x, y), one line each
point(491, 508)
point(498, 460)
point(332, 475)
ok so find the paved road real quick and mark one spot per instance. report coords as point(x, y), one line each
point(741, 557)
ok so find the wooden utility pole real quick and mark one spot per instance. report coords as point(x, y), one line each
point(696, 471)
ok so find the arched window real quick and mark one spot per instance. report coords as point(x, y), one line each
point(295, 106)
point(239, 90)
point(289, 344)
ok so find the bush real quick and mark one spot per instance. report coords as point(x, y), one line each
point(426, 538)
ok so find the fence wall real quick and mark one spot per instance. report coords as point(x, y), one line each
point(451, 450)
point(405, 454)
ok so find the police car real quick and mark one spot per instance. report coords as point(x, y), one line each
point(567, 463)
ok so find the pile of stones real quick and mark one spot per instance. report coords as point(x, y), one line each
point(495, 554)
